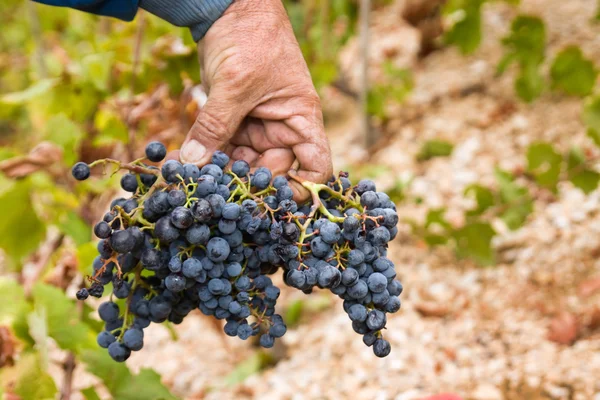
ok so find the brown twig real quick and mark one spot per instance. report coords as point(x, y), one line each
point(43, 256)
point(67, 385)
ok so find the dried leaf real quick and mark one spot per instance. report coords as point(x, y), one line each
point(7, 347)
point(41, 157)
point(563, 329)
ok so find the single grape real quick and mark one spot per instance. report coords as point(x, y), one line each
point(156, 151)
point(80, 171)
point(118, 351)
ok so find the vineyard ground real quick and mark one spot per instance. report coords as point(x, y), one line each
point(526, 328)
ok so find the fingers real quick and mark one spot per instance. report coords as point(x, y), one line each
point(216, 123)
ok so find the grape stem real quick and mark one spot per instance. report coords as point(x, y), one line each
point(129, 167)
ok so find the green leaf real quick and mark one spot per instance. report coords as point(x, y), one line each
point(434, 148)
point(591, 113)
point(38, 329)
point(594, 135)
point(64, 325)
point(466, 29)
point(31, 382)
point(250, 366)
point(75, 227)
point(436, 217)
point(39, 88)
point(525, 44)
point(586, 180)
point(529, 83)
point(294, 312)
point(121, 383)
point(579, 174)
point(572, 73)
point(90, 393)
point(96, 69)
point(474, 240)
point(21, 231)
point(516, 201)
point(110, 127)
point(15, 308)
point(85, 257)
point(483, 196)
point(433, 239)
point(65, 133)
point(544, 162)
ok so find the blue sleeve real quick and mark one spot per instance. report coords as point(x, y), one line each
point(122, 9)
point(197, 15)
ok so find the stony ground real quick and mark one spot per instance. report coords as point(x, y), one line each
point(527, 328)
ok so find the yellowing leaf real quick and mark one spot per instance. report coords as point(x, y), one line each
point(37, 89)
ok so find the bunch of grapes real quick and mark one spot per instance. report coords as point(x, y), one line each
point(209, 238)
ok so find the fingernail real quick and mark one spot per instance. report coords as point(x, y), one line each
point(192, 152)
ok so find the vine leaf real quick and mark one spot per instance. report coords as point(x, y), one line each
point(474, 240)
point(581, 176)
point(515, 200)
point(591, 117)
point(465, 32)
point(434, 148)
point(526, 45)
point(572, 73)
point(544, 163)
point(29, 380)
point(484, 197)
point(121, 383)
point(20, 228)
point(64, 325)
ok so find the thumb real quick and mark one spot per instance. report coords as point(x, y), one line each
point(216, 123)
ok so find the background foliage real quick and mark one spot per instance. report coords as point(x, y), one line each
point(75, 86)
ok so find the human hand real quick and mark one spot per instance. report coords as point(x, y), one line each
point(262, 106)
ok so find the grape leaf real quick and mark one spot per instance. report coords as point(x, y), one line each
point(96, 69)
point(572, 73)
point(544, 162)
point(90, 393)
point(65, 133)
point(474, 240)
point(465, 32)
point(30, 380)
point(591, 117)
point(579, 174)
point(121, 383)
point(110, 127)
point(37, 89)
point(434, 148)
point(515, 199)
point(250, 366)
point(64, 325)
point(483, 196)
point(75, 227)
point(525, 45)
point(15, 308)
point(85, 257)
point(436, 217)
point(21, 231)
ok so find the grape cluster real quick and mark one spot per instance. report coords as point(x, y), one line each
point(209, 238)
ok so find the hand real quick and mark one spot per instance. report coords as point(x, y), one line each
point(262, 106)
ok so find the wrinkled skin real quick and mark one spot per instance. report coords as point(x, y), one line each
point(262, 106)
